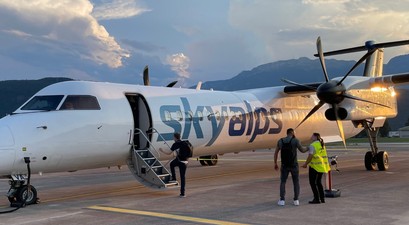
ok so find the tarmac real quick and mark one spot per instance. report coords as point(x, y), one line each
point(241, 189)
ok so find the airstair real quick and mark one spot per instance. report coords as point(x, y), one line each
point(146, 167)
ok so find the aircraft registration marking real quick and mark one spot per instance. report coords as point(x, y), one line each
point(162, 215)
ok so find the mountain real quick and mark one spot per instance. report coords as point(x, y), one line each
point(302, 70)
point(14, 93)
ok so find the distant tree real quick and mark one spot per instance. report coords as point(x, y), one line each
point(407, 122)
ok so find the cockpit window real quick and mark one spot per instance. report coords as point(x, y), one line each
point(80, 102)
point(45, 102)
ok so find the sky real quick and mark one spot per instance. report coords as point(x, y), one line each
point(183, 40)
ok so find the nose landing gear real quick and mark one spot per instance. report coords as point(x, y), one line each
point(21, 194)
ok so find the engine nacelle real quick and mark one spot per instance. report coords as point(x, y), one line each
point(330, 114)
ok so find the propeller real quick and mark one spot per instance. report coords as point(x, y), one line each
point(333, 92)
point(146, 81)
point(171, 84)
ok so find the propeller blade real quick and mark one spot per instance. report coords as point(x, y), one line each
point(363, 58)
point(363, 100)
point(199, 85)
point(321, 55)
point(365, 48)
point(297, 84)
point(171, 84)
point(339, 123)
point(146, 76)
point(313, 110)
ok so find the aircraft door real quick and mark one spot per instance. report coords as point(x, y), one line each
point(142, 120)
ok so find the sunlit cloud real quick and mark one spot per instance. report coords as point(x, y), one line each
point(66, 27)
point(117, 9)
point(341, 24)
point(180, 64)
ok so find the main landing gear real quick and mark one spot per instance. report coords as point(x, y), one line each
point(208, 160)
point(373, 157)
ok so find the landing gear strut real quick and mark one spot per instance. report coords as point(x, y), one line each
point(374, 157)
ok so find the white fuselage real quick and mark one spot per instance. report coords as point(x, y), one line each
point(215, 122)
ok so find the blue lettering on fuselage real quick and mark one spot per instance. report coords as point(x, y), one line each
point(242, 121)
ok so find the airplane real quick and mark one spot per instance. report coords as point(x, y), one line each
point(78, 125)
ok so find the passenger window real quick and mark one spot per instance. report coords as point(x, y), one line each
point(200, 115)
point(217, 115)
point(80, 102)
point(45, 102)
point(189, 115)
point(178, 116)
point(168, 117)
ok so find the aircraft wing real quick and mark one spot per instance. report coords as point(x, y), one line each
point(394, 79)
point(310, 88)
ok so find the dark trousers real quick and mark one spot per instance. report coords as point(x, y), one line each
point(182, 169)
point(316, 184)
point(284, 175)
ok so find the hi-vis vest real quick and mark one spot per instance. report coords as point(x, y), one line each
point(319, 161)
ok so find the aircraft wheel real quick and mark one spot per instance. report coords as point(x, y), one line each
point(369, 162)
point(12, 199)
point(22, 195)
point(212, 160)
point(382, 160)
point(203, 162)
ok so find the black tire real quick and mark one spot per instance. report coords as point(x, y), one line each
point(213, 159)
point(12, 199)
point(382, 159)
point(202, 162)
point(369, 162)
point(22, 193)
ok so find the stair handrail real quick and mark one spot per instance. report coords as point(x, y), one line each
point(139, 131)
point(163, 139)
point(153, 130)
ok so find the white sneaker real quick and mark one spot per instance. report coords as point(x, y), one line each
point(296, 202)
point(281, 203)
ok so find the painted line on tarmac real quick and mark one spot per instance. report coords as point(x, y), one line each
point(162, 215)
point(91, 194)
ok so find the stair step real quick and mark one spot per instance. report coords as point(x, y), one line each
point(163, 175)
point(172, 184)
point(148, 170)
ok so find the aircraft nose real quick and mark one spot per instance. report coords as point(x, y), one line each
point(6, 137)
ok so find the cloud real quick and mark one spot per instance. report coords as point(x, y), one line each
point(341, 24)
point(59, 28)
point(117, 9)
point(146, 47)
point(180, 64)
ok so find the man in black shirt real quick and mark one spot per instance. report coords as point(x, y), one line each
point(289, 164)
point(180, 161)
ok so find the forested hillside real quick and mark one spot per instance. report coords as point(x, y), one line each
point(13, 93)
